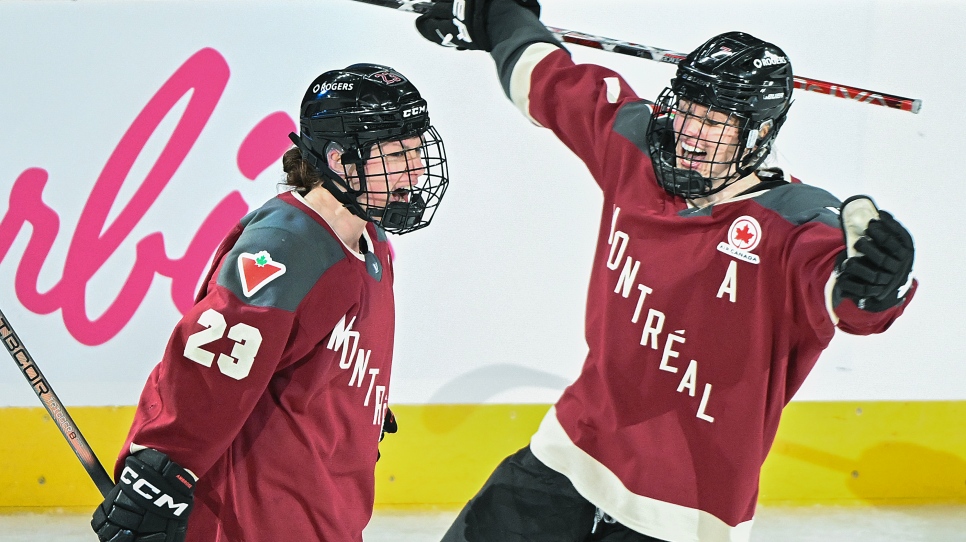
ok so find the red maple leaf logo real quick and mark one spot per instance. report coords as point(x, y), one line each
point(744, 235)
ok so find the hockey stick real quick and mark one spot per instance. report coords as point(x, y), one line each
point(663, 55)
point(54, 407)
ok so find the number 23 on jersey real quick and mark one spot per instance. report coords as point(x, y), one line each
point(247, 340)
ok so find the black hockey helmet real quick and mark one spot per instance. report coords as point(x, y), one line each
point(734, 74)
point(357, 111)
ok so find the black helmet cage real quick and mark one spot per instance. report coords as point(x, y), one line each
point(358, 111)
point(736, 74)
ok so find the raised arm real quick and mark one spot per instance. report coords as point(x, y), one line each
point(579, 103)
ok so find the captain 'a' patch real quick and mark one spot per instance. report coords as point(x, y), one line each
point(257, 270)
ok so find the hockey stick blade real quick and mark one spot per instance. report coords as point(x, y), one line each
point(25, 362)
point(671, 57)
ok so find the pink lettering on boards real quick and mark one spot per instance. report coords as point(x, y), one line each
point(265, 144)
point(204, 75)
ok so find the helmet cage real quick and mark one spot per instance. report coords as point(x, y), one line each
point(733, 74)
point(747, 151)
point(369, 109)
point(410, 206)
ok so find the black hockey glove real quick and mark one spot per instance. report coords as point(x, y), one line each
point(388, 426)
point(875, 269)
point(150, 502)
point(461, 23)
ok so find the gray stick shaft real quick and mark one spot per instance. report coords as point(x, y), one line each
point(671, 57)
point(58, 413)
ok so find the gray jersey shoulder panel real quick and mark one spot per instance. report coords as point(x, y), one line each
point(291, 238)
point(632, 122)
point(802, 203)
point(796, 203)
point(380, 233)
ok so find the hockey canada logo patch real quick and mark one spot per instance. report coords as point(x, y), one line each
point(257, 270)
point(743, 236)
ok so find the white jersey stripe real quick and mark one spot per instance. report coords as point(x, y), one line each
point(666, 521)
point(522, 71)
point(829, 305)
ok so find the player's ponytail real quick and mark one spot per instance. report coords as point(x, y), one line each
point(298, 174)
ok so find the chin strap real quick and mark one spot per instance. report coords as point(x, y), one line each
point(399, 215)
point(331, 181)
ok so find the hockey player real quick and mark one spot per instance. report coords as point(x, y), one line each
point(715, 286)
point(262, 420)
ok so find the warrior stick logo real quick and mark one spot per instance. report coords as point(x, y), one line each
point(257, 270)
point(24, 361)
point(41, 388)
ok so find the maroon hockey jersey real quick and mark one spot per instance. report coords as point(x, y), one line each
point(701, 323)
point(273, 387)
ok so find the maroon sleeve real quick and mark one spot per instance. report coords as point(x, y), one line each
point(247, 325)
point(856, 321)
point(580, 104)
point(811, 252)
point(216, 366)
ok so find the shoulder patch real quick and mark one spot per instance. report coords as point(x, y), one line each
point(279, 257)
point(257, 270)
point(744, 235)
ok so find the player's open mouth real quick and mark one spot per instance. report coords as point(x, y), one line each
point(690, 157)
point(399, 195)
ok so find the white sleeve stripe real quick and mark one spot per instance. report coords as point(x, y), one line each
point(613, 89)
point(596, 483)
point(829, 287)
point(522, 72)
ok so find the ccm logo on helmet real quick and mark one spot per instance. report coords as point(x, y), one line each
point(412, 112)
point(151, 493)
point(770, 61)
point(331, 86)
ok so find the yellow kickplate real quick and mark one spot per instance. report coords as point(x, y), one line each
point(858, 453)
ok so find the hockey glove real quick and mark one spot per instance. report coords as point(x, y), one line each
point(875, 269)
point(150, 502)
point(388, 426)
point(461, 23)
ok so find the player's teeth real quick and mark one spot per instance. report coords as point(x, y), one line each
point(689, 148)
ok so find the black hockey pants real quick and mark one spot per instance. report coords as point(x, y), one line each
point(526, 501)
